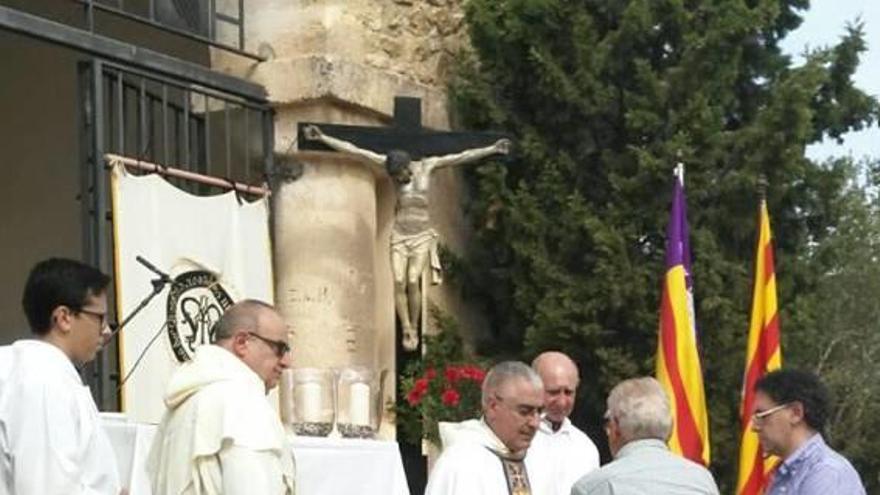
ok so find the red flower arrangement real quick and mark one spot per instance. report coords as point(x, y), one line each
point(450, 397)
point(432, 397)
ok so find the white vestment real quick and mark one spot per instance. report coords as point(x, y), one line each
point(51, 440)
point(470, 465)
point(569, 451)
point(219, 434)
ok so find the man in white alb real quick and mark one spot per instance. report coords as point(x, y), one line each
point(219, 434)
point(490, 458)
point(51, 440)
point(560, 444)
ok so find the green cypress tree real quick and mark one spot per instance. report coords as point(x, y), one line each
point(603, 98)
point(838, 321)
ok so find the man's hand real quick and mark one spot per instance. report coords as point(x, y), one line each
point(312, 133)
point(502, 146)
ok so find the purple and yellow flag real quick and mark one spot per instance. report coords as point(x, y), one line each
point(678, 360)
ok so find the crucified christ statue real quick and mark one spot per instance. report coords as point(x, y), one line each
point(413, 240)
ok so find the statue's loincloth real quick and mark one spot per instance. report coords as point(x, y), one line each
point(411, 245)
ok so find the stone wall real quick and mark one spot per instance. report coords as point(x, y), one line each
point(362, 52)
point(417, 38)
point(344, 61)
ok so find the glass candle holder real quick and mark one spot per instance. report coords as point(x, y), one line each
point(357, 397)
point(313, 412)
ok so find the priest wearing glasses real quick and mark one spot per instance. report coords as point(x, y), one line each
point(219, 434)
point(491, 457)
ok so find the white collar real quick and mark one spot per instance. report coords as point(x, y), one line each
point(545, 427)
point(490, 440)
point(50, 352)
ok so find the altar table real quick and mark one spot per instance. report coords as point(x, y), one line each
point(324, 466)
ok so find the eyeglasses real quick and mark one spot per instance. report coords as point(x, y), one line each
point(279, 347)
point(523, 410)
point(760, 416)
point(102, 317)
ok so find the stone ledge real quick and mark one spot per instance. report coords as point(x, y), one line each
point(314, 77)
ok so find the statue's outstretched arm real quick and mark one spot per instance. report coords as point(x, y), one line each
point(313, 133)
point(501, 147)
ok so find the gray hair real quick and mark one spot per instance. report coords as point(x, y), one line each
point(507, 371)
point(243, 315)
point(641, 409)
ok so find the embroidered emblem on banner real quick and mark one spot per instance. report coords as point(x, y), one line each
point(195, 302)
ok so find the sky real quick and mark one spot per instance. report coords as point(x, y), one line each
point(824, 24)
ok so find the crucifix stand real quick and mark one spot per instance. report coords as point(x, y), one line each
point(409, 155)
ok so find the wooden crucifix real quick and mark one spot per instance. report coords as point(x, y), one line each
point(407, 153)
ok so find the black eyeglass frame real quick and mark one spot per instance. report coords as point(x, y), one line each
point(104, 317)
point(280, 348)
point(523, 410)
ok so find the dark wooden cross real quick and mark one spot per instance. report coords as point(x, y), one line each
point(406, 133)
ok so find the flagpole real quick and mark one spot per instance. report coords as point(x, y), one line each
point(678, 365)
point(679, 166)
point(763, 353)
point(761, 185)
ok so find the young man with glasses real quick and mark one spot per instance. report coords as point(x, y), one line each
point(791, 408)
point(51, 441)
point(490, 457)
point(219, 434)
point(638, 422)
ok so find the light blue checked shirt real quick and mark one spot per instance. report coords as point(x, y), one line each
point(647, 467)
point(815, 469)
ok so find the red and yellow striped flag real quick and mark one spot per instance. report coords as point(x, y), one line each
point(763, 354)
point(678, 361)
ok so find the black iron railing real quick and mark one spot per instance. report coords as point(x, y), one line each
point(200, 20)
point(162, 120)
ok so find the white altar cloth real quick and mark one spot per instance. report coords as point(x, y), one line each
point(341, 466)
point(324, 466)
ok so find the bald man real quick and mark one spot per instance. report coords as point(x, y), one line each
point(219, 434)
point(567, 449)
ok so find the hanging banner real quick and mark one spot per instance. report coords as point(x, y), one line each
point(215, 249)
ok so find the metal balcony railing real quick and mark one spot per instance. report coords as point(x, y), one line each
point(218, 23)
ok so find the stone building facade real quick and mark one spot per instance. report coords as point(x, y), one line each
point(343, 62)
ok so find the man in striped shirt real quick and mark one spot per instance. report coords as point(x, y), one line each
point(791, 408)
